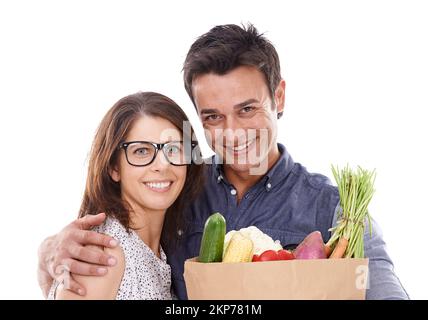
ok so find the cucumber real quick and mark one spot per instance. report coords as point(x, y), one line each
point(213, 239)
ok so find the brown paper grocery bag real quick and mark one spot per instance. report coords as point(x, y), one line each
point(279, 280)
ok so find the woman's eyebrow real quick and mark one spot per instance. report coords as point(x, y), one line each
point(170, 139)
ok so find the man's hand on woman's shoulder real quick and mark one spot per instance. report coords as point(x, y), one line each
point(72, 250)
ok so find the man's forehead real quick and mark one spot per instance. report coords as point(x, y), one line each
point(228, 91)
point(239, 76)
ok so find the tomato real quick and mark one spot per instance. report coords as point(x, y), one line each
point(272, 255)
point(268, 255)
point(285, 255)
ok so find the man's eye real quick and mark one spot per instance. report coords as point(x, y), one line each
point(247, 109)
point(212, 117)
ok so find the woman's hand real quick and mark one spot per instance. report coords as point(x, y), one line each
point(66, 252)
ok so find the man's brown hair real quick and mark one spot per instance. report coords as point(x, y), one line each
point(226, 47)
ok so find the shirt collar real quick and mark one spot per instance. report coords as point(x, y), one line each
point(275, 175)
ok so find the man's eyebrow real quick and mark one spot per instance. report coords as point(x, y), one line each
point(205, 111)
point(245, 103)
point(236, 106)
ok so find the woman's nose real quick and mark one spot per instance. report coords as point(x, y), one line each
point(160, 162)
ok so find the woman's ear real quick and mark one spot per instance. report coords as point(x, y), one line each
point(114, 174)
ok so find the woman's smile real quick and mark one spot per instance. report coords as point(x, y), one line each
point(159, 186)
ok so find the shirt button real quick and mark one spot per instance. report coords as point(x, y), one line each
point(233, 192)
point(269, 186)
point(179, 232)
point(219, 178)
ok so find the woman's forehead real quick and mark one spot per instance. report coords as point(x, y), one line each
point(154, 129)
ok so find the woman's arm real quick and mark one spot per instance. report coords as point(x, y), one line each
point(98, 288)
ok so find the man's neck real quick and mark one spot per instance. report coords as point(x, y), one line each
point(244, 180)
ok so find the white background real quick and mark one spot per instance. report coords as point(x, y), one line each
point(356, 73)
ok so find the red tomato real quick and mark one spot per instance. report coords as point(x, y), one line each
point(285, 255)
point(256, 258)
point(268, 255)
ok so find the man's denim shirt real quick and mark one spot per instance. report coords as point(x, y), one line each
point(287, 204)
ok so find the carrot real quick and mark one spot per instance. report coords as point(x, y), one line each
point(327, 250)
point(340, 249)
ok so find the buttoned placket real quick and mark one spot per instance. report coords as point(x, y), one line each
point(237, 210)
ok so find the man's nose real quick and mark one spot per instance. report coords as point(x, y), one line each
point(231, 124)
point(234, 136)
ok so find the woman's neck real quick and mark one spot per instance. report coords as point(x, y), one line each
point(148, 225)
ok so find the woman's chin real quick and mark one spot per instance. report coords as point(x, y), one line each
point(160, 202)
point(158, 205)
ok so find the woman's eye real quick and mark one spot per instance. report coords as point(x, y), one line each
point(141, 151)
point(173, 150)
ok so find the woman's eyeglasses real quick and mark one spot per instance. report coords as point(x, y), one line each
point(143, 153)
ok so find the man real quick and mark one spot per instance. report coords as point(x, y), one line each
point(232, 76)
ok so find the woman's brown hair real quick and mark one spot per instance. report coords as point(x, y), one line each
point(102, 193)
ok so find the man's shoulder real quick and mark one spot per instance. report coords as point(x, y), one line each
point(312, 180)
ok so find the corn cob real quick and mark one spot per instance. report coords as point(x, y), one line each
point(239, 249)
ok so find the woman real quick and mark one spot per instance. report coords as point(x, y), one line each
point(141, 176)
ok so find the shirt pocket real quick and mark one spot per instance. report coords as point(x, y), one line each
point(289, 240)
point(192, 238)
point(193, 228)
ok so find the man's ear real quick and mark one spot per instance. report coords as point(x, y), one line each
point(280, 98)
point(114, 174)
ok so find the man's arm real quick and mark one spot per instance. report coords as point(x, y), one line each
point(43, 277)
point(98, 288)
point(383, 282)
point(67, 249)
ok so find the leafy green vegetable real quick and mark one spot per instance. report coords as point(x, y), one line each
point(356, 189)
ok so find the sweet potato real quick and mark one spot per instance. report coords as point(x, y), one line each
point(312, 247)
